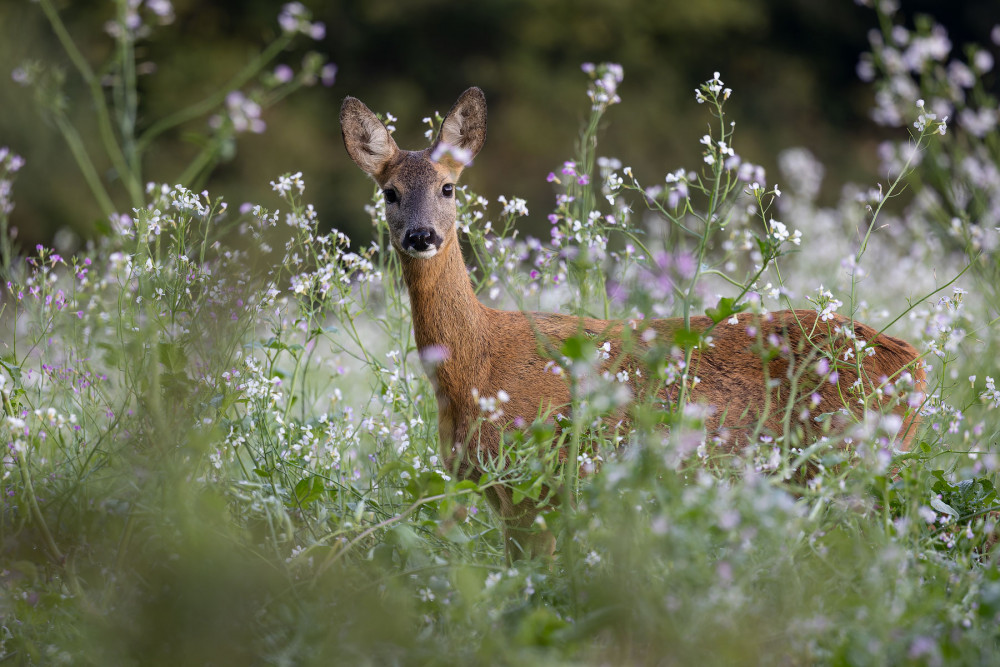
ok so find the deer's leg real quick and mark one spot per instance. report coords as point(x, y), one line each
point(521, 537)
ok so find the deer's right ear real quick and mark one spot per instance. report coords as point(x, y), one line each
point(367, 140)
point(464, 128)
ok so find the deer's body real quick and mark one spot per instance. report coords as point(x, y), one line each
point(481, 351)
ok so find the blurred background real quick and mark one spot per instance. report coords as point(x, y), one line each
point(791, 63)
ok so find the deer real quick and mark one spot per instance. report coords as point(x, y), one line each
point(482, 351)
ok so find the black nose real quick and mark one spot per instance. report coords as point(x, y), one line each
point(420, 239)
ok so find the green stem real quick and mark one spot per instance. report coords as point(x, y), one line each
point(111, 146)
point(200, 162)
point(72, 138)
point(130, 101)
point(212, 101)
point(29, 491)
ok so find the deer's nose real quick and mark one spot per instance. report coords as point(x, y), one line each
point(420, 239)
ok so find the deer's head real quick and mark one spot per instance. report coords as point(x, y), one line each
point(418, 186)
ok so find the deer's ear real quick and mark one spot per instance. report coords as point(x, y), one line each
point(463, 132)
point(367, 140)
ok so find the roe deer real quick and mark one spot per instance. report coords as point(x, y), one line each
point(488, 351)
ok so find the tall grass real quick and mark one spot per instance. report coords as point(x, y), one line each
point(220, 447)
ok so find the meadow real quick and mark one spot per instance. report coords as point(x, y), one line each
point(220, 446)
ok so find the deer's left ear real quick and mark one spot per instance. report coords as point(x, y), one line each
point(463, 132)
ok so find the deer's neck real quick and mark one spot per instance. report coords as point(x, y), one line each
point(447, 318)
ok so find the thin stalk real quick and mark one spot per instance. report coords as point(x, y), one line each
point(212, 101)
point(105, 129)
point(72, 138)
point(130, 99)
point(29, 491)
point(388, 522)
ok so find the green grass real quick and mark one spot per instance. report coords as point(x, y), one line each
point(220, 447)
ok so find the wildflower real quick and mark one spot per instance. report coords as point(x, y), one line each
point(328, 74)
point(826, 304)
point(434, 354)
point(286, 182)
point(927, 119)
point(294, 17)
point(283, 73)
point(243, 114)
point(978, 122)
point(715, 84)
point(991, 393)
point(778, 230)
point(603, 91)
point(461, 155)
point(516, 206)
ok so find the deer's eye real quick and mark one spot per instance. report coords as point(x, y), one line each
point(390, 196)
point(448, 190)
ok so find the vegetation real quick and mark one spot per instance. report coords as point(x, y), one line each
point(220, 448)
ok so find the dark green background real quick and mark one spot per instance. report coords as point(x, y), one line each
point(790, 62)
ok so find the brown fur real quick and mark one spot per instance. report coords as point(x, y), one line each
point(492, 350)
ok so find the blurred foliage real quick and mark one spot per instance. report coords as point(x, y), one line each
point(793, 62)
point(218, 453)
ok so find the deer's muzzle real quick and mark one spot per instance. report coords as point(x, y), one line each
point(422, 242)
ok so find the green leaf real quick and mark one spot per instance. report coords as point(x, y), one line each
point(727, 308)
point(542, 432)
point(454, 534)
point(578, 348)
point(528, 489)
point(687, 339)
point(316, 331)
point(309, 490)
point(539, 627)
point(469, 582)
point(944, 507)
point(465, 485)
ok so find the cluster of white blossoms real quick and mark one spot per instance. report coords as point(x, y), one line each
point(991, 393)
point(491, 406)
point(826, 304)
point(927, 119)
point(606, 77)
point(713, 88)
point(780, 233)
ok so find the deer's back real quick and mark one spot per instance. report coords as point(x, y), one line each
point(782, 351)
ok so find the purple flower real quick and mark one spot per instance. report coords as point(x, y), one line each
point(283, 73)
point(328, 74)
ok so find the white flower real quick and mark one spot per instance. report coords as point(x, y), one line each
point(516, 206)
point(778, 230)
